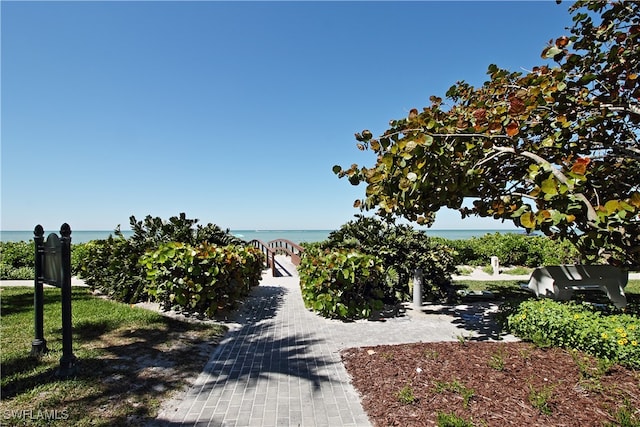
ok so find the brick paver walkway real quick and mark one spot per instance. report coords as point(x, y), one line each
point(280, 363)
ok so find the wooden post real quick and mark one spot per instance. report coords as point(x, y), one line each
point(274, 270)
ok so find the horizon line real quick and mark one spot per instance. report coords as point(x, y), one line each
point(283, 229)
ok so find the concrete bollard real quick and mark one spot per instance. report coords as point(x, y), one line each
point(417, 288)
point(495, 264)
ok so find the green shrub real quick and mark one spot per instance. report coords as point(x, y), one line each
point(464, 271)
point(112, 265)
point(488, 269)
point(518, 271)
point(402, 250)
point(20, 273)
point(79, 252)
point(578, 326)
point(342, 283)
point(202, 278)
point(18, 254)
point(512, 249)
point(16, 258)
point(547, 251)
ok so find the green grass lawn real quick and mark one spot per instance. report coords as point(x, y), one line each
point(129, 360)
point(633, 287)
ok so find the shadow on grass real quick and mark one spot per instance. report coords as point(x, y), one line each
point(129, 351)
point(93, 330)
point(123, 369)
point(16, 303)
point(30, 376)
point(509, 290)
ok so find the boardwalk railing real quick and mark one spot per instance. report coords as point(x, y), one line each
point(278, 246)
point(287, 247)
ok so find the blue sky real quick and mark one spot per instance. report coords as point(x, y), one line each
point(233, 112)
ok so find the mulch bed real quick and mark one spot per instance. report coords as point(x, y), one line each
point(505, 380)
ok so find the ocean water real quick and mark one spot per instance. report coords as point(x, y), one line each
point(296, 236)
point(77, 236)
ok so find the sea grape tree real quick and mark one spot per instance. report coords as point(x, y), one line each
point(554, 149)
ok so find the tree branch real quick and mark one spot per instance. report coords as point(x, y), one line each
point(487, 159)
point(524, 196)
point(633, 109)
point(467, 135)
point(401, 131)
point(591, 212)
point(592, 216)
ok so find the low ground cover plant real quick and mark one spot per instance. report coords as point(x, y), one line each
point(580, 326)
point(449, 419)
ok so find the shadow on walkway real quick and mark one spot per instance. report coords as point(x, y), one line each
point(477, 318)
point(282, 269)
point(258, 355)
point(266, 344)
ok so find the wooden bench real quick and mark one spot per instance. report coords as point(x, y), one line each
point(560, 281)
